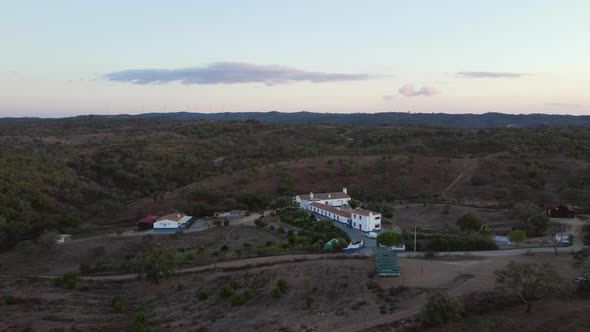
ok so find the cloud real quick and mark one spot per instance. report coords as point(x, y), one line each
point(489, 74)
point(409, 91)
point(388, 97)
point(557, 104)
point(230, 73)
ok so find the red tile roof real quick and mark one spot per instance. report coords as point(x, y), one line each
point(341, 212)
point(364, 212)
point(324, 196)
point(172, 216)
point(552, 205)
point(148, 220)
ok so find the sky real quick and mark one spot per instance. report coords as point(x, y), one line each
point(64, 58)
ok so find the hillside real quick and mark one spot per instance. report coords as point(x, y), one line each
point(81, 174)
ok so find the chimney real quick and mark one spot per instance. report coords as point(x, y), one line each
point(310, 194)
point(344, 190)
point(329, 196)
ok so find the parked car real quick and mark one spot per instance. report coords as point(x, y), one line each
point(371, 235)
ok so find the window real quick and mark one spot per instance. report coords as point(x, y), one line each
point(354, 225)
point(377, 225)
point(378, 218)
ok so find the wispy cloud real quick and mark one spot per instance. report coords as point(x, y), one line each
point(230, 73)
point(558, 104)
point(489, 74)
point(409, 91)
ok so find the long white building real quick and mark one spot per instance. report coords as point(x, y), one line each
point(173, 221)
point(339, 198)
point(334, 206)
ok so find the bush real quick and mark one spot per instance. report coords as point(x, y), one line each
point(117, 303)
point(440, 309)
point(140, 323)
point(225, 222)
point(47, 240)
point(248, 294)
point(237, 299)
point(282, 285)
point(389, 239)
point(517, 236)
point(271, 227)
point(275, 293)
point(202, 295)
point(10, 300)
point(226, 291)
point(259, 222)
point(68, 280)
point(224, 247)
point(234, 284)
point(469, 221)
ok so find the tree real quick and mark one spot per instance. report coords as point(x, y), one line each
point(469, 221)
point(155, 263)
point(47, 240)
point(532, 283)
point(517, 235)
point(440, 309)
point(389, 239)
point(354, 203)
point(537, 225)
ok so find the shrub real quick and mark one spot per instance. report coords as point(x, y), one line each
point(282, 285)
point(275, 293)
point(517, 236)
point(217, 223)
point(225, 222)
point(68, 280)
point(202, 295)
point(226, 291)
point(99, 284)
point(271, 227)
point(237, 299)
point(140, 323)
point(248, 294)
point(281, 230)
point(440, 309)
point(468, 221)
point(47, 240)
point(10, 300)
point(259, 222)
point(117, 303)
point(179, 287)
point(389, 239)
point(224, 247)
point(234, 284)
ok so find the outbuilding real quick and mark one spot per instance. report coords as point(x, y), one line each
point(146, 223)
point(559, 210)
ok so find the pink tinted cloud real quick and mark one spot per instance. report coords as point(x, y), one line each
point(409, 91)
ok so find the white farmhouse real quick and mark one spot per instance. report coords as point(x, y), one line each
point(173, 221)
point(337, 199)
point(365, 220)
point(334, 206)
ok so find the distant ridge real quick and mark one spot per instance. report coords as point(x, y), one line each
point(486, 120)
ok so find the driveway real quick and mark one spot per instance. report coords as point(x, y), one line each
point(356, 235)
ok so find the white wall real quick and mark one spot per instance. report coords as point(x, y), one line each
point(166, 224)
point(368, 223)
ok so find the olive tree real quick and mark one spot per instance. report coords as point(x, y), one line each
point(440, 309)
point(389, 239)
point(155, 263)
point(532, 283)
point(469, 221)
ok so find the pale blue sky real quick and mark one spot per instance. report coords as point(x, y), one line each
point(516, 56)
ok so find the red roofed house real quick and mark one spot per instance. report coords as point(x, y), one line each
point(334, 206)
point(146, 223)
point(559, 210)
point(172, 221)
